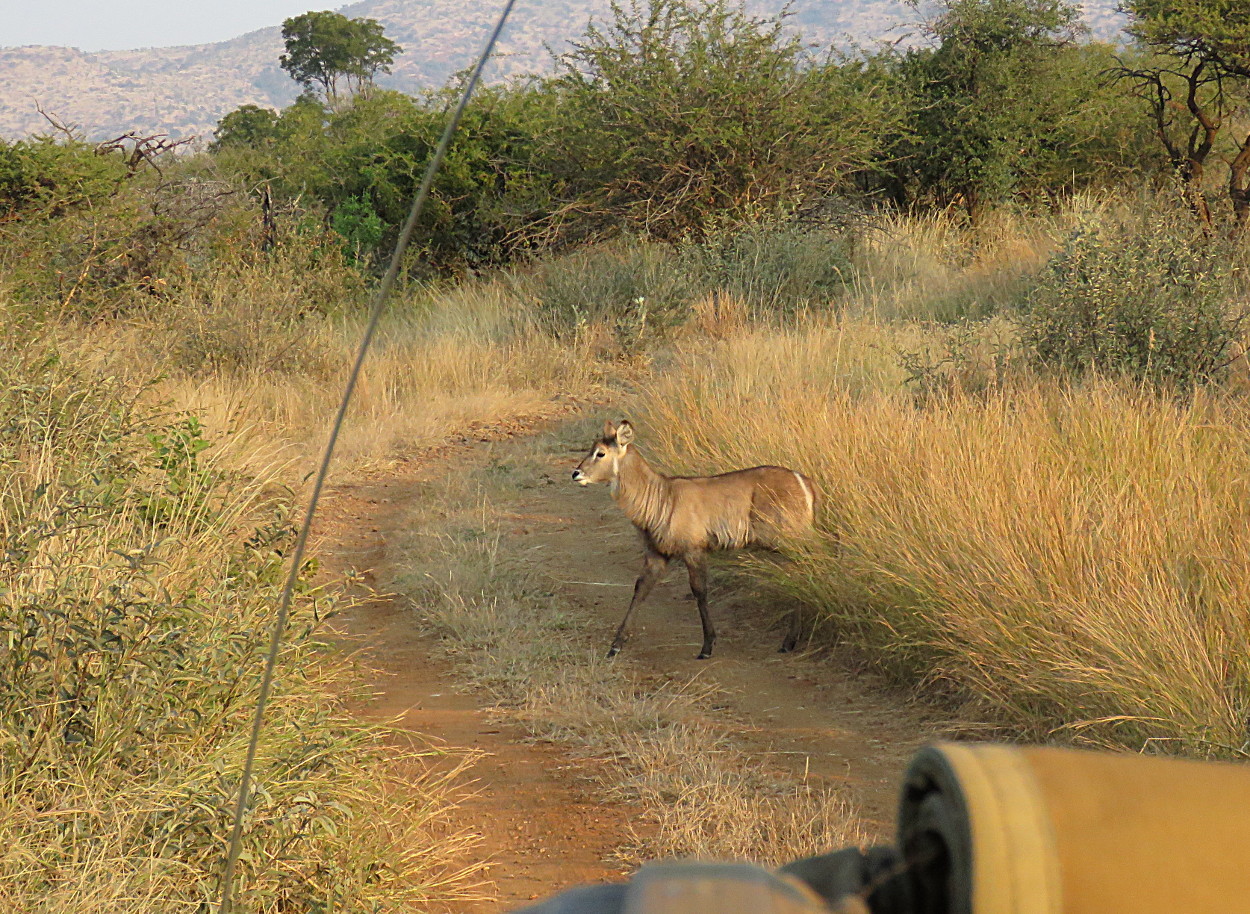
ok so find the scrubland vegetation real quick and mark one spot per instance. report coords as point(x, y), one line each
point(1061, 552)
point(139, 575)
point(998, 317)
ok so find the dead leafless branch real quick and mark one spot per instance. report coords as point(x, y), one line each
point(139, 150)
point(69, 131)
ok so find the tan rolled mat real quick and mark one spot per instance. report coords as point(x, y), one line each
point(1003, 830)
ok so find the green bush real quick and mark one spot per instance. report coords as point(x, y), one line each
point(362, 163)
point(359, 225)
point(1007, 104)
point(246, 126)
point(674, 117)
point(192, 252)
point(772, 268)
point(91, 232)
point(1150, 298)
point(642, 289)
point(116, 257)
point(639, 289)
point(44, 175)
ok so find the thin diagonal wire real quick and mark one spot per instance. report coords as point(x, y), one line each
point(301, 542)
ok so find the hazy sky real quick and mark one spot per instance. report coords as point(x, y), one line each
point(96, 25)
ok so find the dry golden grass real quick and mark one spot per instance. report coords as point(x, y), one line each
point(1071, 557)
point(269, 382)
point(257, 351)
point(937, 267)
point(90, 846)
point(415, 392)
point(138, 579)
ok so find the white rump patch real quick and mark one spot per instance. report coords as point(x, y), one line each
point(807, 493)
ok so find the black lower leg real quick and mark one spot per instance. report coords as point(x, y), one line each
point(791, 640)
point(652, 568)
point(697, 567)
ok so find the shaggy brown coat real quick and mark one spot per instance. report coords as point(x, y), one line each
point(685, 517)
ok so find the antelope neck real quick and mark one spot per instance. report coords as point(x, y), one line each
point(641, 492)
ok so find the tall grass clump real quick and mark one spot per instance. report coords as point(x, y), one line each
point(938, 267)
point(774, 269)
point(1149, 297)
point(254, 348)
point(137, 583)
point(1070, 559)
point(641, 290)
point(637, 289)
point(436, 369)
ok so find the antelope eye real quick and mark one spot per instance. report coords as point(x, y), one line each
point(599, 455)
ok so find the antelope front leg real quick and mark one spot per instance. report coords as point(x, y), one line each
point(653, 567)
point(696, 565)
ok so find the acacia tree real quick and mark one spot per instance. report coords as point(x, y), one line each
point(247, 125)
point(328, 49)
point(678, 115)
point(1196, 84)
point(989, 97)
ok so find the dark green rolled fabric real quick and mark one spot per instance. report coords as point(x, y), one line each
point(935, 837)
point(875, 876)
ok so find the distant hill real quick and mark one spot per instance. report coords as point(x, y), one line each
point(185, 90)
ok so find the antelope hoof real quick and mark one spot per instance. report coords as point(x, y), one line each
point(705, 653)
point(613, 651)
point(786, 646)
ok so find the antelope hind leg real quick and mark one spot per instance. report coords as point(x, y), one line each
point(697, 567)
point(791, 639)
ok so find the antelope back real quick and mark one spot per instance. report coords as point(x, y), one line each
point(681, 515)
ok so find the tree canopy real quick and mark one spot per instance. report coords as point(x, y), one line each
point(331, 51)
point(1006, 102)
point(1195, 83)
point(676, 114)
point(247, 125)
point(1216, 31)
point(684, 120)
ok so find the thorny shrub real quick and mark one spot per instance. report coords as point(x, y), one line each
point(641, 290)
point(1151, 299)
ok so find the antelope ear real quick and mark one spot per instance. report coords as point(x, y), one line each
point(624, 433)
point(609, 430)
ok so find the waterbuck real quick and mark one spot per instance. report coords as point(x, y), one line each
point(686, 517)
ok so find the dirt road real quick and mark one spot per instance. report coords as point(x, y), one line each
point(542, 823)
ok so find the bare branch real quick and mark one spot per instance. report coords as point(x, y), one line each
point(140, 150)
point(69, 131)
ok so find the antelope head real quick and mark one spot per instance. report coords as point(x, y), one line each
point(603, 463)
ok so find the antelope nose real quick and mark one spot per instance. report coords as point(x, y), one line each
point(577, 474)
